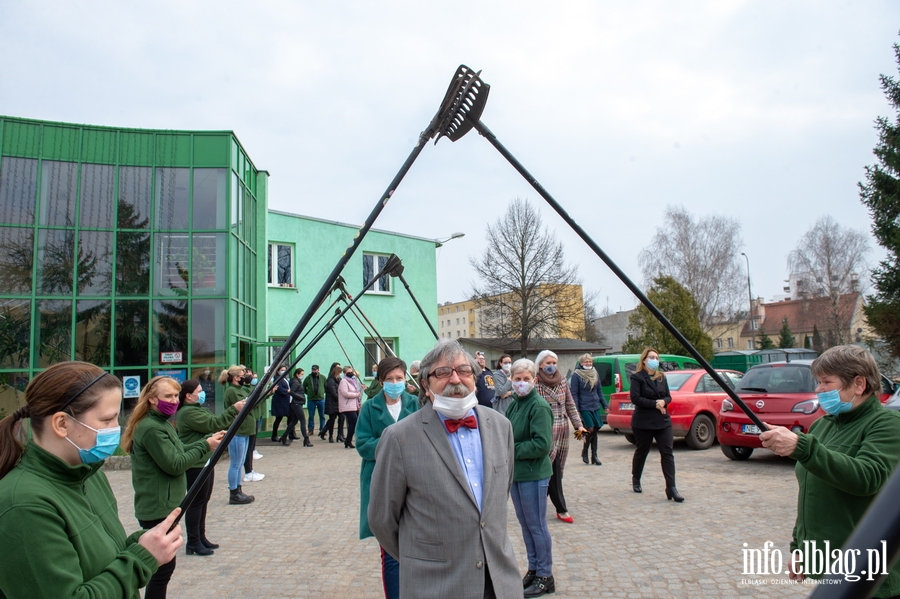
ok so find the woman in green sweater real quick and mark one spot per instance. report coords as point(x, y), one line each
point(532, 423)
point(58, 515)
point(235, 391)
point(158, 462)
point(194, 423)
point(845, 458)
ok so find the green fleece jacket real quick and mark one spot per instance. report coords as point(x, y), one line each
point(842, 463)
point(195, 423)
point(234, 394)
point(158, 462)
point(60, 529)
point(532, 422)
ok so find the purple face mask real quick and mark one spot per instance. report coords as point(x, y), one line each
point(166, 408)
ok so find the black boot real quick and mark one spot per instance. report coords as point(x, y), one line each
point(321, 434)
point(207, 543)
point(306, 442)
point(594, 459)
point(541, 585)
point(238, 497)
point(198, 549)
point(330, 438)
point(636, 485)
point(340, 438)
point(286, 441)
point(672, 493)
point(528, 579)
point(584, 452)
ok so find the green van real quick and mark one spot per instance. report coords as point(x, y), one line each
point(615, 370)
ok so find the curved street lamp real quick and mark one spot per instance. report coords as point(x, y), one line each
point(439, 242)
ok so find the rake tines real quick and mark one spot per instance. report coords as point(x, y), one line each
point(463, 104)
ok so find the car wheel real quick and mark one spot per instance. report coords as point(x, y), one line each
point(702, 433)
point(630, 438)
point(734, 452)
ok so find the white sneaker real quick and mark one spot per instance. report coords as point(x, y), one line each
point(257, 455)
point(253, 476)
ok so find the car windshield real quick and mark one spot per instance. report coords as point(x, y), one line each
point(677, 379)
point(778, 379)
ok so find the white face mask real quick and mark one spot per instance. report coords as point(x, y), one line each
point(454, 407)
point(506, 367)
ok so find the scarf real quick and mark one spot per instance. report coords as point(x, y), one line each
point(550, 380)
point(588, 376)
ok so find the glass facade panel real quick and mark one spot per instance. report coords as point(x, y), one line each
point(54, 328)
point(208, 263)
point(234, 201)
point(173, 260)
point(128, 403)
point(132, 331)
point(56, 261)
point(209, 198)
point(92, 331)
point(95, 263)
point(134, 197)
point(12, 391)
point(18, 189)
point(208, 331)
point(58, 191)
point(172, 198)
point(170, 331)
point(132, 263)
point(15, 332)
point(16, 260)
point(98, 182)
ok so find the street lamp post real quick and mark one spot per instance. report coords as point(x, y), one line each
point(439, 242)
point(749, 293)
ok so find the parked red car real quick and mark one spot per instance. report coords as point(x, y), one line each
point(696, 399)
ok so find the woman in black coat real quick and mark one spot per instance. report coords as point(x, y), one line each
point(650, 420)
point(281, 403)
point(331, 403)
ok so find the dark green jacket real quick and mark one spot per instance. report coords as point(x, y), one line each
point(373, 419)
point(259, 411)
point(158, 463)
point(532, 422)
point(61, 534)
point(842, 464)
point(195, 423)
point(319, 391)
point(375, 388)
point(234, 394)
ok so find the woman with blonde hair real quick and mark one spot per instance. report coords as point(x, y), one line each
point(588, 395)
point(650, 420)
point(552, 386)
point(159, 461)
point(60, 523)
point(233, 380)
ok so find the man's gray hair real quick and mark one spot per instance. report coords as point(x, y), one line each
point(416, 365)
point(444, 350)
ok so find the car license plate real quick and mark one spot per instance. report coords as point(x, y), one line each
point(750, 429)
point(625, 407)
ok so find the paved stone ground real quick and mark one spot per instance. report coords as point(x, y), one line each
point(299, 538)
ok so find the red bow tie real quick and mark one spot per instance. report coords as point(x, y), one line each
point(453, 425)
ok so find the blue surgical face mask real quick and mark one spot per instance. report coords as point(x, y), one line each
point(104, 446)
point(394, 389)
point(254, 380)
point(201, 398)
point(831, 402)
point(653, 364)
point(550, 369)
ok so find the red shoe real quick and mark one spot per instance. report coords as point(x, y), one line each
point(566, 519)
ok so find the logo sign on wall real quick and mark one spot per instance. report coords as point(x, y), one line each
point(178, 375)
point(132, 386)
point(170, 357)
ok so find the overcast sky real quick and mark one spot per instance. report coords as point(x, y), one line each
point(761, 111)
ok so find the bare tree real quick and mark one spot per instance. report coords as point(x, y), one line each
point(702, 255)
point(831, 258)
point(526, 289)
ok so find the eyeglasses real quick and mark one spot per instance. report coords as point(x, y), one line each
point(445, 371)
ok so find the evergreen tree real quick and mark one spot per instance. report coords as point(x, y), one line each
point(817, 344)
point(881, 194)
point(763, 341)
point(787, 337)
point(682, 310)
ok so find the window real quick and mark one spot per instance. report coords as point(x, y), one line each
point(281, 261)
point(377, 350)
point(750, 344)
point(372, 265)
point(719, 343)
point(274, 349)
point(457, 321)
point(730, 341)
point(754, 324)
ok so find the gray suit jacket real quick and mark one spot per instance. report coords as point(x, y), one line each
point(423, 513)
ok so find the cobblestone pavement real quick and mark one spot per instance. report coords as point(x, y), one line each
point(299, 538)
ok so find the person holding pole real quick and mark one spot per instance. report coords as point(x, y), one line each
point(53, 484)
point(233, 379)
point(158, 462)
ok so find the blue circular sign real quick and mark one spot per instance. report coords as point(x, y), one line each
point(131, 384)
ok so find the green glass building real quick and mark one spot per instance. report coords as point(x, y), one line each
point(145, 252)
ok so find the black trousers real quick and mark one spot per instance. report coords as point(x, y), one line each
point(159, 582)
point(643, 439)
point(298, 414)
point(195, 516)
point(340, 424)
point(329, 426)
point(351, 418)
point(251, 447)
point(555, 489)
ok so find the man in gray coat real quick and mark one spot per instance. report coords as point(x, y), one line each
point(438, 497)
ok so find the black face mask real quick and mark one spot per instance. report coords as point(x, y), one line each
point(248, 379)
point(349, 375)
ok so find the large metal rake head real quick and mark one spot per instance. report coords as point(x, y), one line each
point(463, 104)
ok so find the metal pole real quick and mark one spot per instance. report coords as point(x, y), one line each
point(749, 294)
point(416, 302)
